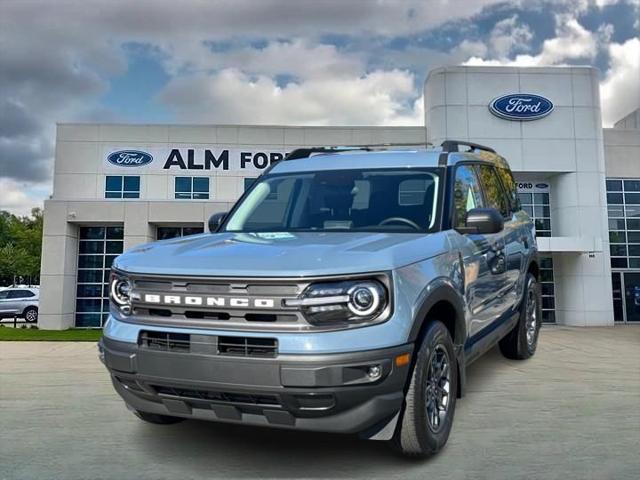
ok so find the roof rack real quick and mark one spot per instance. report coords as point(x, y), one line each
point(454, 146)
point(308, 151)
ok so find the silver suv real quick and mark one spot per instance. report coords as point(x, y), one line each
point(21, 302)
point(347, 291)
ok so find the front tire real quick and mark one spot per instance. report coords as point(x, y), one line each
point(156, 418)
point(30, 314)
point(522, 341)
point(431, 398)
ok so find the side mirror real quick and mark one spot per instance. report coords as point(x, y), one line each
point(216, 220)
point(483, 221)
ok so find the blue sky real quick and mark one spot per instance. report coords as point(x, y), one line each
point(330, 62)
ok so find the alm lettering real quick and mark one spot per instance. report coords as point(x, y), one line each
point(522, 105)
point(259, 160)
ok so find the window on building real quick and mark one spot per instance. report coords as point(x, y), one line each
point(164, 233)
point(536, 204)
point(98, 246)
point(467, 194)
point(192, 188)
point(623, 198)
point(248, 181)
point(547, 288)
point(122, 186)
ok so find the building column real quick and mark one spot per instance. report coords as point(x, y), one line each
point(582, 279)
point(58, 269)
point(137, 229)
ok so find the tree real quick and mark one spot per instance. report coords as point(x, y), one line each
point(20, 246)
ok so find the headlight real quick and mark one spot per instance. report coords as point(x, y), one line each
point(349, 301)
point(120, 292)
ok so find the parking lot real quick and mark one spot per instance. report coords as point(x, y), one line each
point(572, 412)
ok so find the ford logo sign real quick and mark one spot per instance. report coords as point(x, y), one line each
point(130, 158)
point(542, 185)
point(521, 106)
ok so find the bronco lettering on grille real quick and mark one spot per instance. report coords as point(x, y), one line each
point(192, 300)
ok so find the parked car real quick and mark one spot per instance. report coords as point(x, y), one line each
point(346, 291)
point(21, 301)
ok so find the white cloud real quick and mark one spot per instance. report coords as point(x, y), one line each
point(620, 90)
point(232, 96)
point(20, 197)
point(572, 42)
point(508, 36)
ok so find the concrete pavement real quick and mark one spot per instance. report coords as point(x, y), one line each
point(571, 412)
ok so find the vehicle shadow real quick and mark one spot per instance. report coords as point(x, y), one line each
point(239, 451)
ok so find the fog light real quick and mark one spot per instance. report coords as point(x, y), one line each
point(374, 372)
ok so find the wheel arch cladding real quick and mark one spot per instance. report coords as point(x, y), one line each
point(444, 304)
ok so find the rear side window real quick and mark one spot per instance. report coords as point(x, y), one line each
point(21, 294)
point(493, 192)
point(509, 184)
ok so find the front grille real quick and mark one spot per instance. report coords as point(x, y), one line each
point(209, 344)
point(251, 304)
point(219, 397)
point(247, 346)
point(165, 341)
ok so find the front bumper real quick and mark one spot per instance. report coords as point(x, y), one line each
point(328, 392)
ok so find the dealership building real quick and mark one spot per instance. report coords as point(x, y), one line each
point(116, 186)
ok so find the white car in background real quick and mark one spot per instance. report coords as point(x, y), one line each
point(20, 301)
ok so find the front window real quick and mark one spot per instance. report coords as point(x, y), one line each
point(192, 188)
point(122, 186)
point(380, 200)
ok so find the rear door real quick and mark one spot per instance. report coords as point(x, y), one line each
point(506, 245)
point(7, 302)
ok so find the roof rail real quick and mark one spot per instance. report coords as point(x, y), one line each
point(306, 152)
point(454, 146)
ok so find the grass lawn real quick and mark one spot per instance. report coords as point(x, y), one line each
point(33, 335)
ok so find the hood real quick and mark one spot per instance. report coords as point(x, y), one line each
point(281, 254)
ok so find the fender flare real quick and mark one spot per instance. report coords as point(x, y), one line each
point(437, 291)
point(444, 289)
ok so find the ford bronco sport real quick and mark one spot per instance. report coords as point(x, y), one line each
point(346, 291)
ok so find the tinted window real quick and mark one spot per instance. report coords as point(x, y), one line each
point(493, 192)
point(20, 294)
point(340, 200)
point(3, 294)
point(510, 187)
point(467, 194)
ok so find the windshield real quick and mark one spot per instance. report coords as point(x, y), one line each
point(379, 200)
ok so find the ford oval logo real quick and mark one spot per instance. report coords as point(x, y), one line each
point(130, 158)
point(542, 185)
point(521, 106)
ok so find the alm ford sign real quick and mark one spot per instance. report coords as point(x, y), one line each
point(130, 158)
point(521, 106)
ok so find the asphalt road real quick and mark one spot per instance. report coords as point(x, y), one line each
point(572, 412)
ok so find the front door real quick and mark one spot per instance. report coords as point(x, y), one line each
point(483, 255)
point(632, 296)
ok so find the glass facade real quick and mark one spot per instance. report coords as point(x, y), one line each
point(97, 247)
point(192, 188)
point(122, 186)
point(164, 233)
point(535, 200)
point(623, 207)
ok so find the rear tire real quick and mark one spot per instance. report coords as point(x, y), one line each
point(522, 341)
point(30, 314)
point(156, 418)
point(431, 398)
